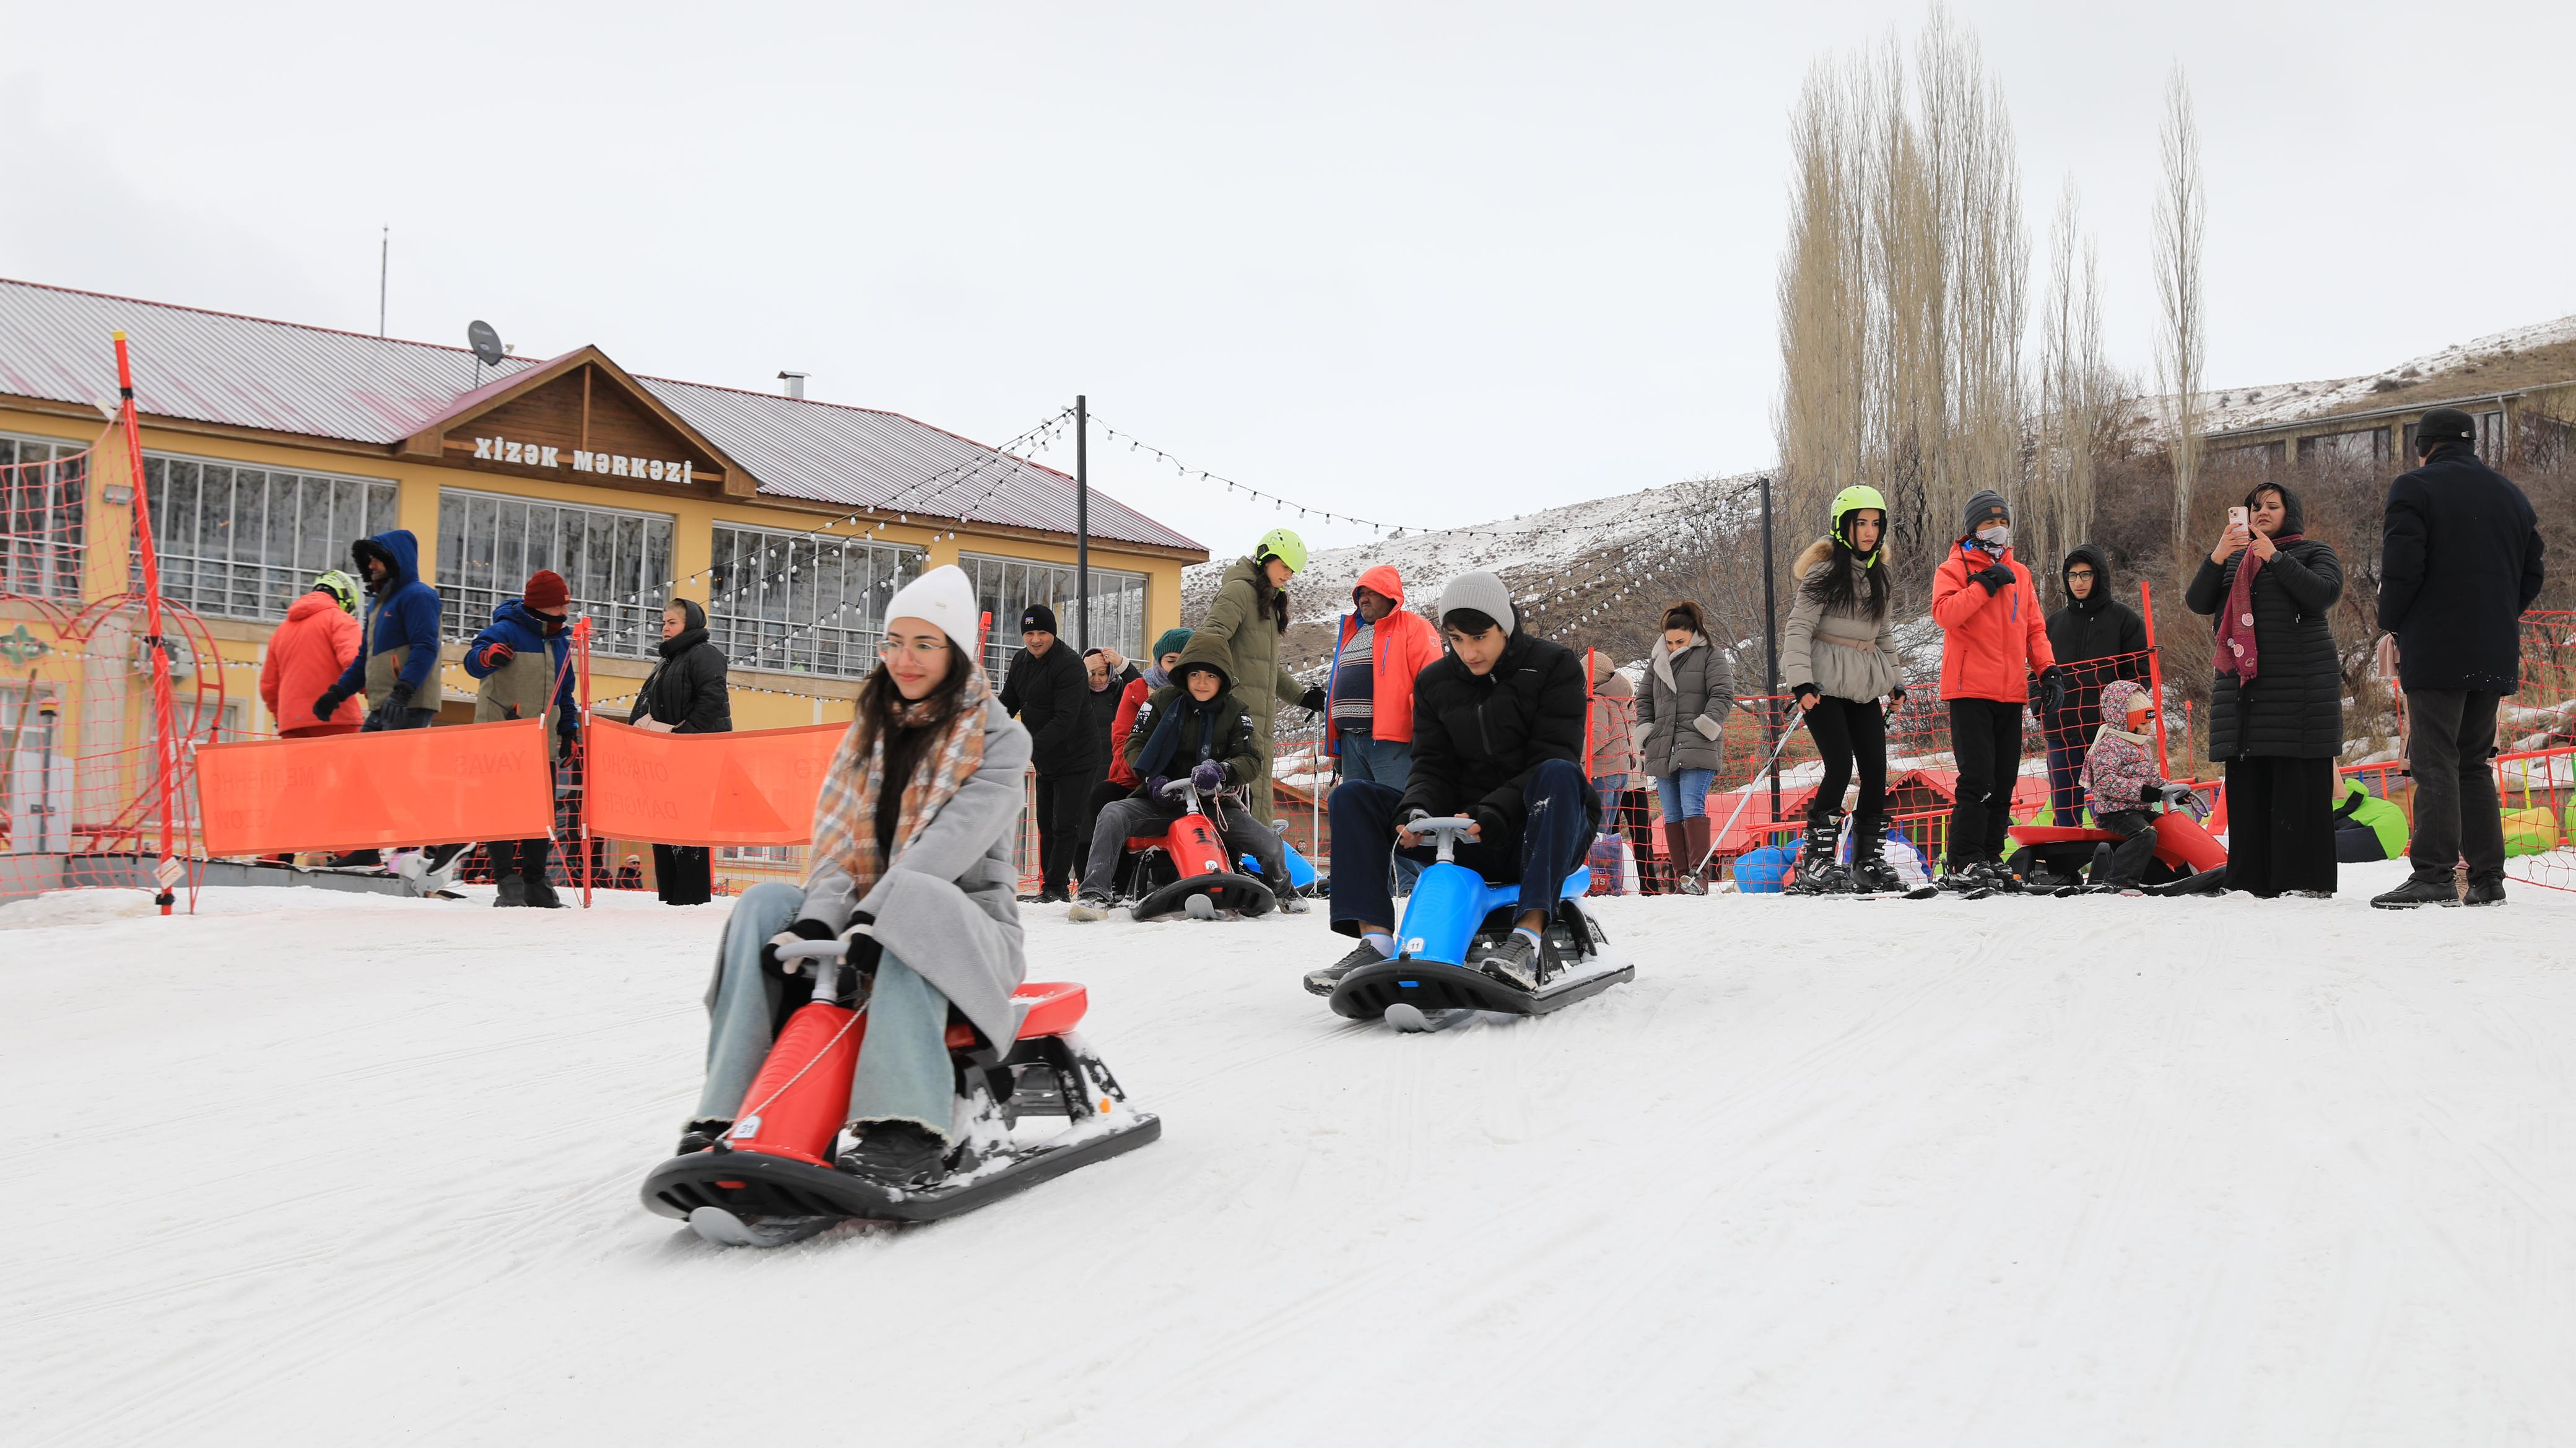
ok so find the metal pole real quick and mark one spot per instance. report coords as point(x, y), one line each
point(384, 262)
point(1081, 523)
point(1771, 650)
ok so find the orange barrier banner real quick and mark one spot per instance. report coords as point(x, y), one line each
point(754, 787)
point(373, 791)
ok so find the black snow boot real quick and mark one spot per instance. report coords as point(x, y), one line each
point(540, 894)
point(895, 1154)
point(2421, 889)
point(1869, 868)
point(699, 1135)
point(510, 893)
point(2486, 890)
point(1818, 872)
point(1325, 980)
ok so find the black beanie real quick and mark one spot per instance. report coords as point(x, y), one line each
point(2444, 424)
point(1037, 618)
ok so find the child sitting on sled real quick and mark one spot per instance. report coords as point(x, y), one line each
point(2121, 779)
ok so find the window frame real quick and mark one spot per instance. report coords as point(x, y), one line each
point(1003, 644)
point(210, 583)
point(781, 628)
point(51, 559)
point(627, 624)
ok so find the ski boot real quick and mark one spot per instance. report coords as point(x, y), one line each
point(1819, 873)
point(1870, 872)
point(1970, 876)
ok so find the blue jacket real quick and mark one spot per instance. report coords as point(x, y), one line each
point(514, 625)
point(406, 616)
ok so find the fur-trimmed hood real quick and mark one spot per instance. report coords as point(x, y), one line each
point(1822, 549)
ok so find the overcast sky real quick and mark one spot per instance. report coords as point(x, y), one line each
point(1426, 263)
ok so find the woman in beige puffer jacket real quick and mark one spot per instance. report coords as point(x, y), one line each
point(1838, 656)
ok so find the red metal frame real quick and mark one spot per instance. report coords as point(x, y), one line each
point(165, 751)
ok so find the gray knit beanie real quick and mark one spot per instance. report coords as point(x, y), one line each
point(1980, 502)
point(1482, 592)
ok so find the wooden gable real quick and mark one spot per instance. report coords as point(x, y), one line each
point(581, 419)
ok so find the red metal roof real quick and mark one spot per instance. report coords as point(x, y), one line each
point(216, 367)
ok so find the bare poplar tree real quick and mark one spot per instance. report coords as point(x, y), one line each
point(2076, 384)
point(1824, 316)
point(2180, 211)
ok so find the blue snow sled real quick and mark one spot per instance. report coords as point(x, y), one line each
point(1301, 871)
point(1454, 910)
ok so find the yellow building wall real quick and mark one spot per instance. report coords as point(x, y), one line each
point(761, 699)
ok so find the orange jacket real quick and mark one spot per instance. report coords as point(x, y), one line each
point(1991, 643)
point(1122, 724)
point(306, 656)
point(1403, 646)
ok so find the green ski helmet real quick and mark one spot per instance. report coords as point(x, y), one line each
point(1851, 500)
point(1283, 545)
point(341, 587)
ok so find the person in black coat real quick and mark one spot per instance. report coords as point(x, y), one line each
point(685, 694)
point(2276, 710)
point(1045, 688)
point(2459, 560)
point(2097, 639)
point(1106, 675)
point(1498, 737)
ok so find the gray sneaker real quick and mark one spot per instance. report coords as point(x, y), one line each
point(1515, 962)
point(1325, 981)
point(1091, 906)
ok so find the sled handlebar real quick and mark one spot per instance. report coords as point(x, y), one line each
point(811, 950)
point(1445, 832)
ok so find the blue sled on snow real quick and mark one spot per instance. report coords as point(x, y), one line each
point(1452, 918)
point(1301, 871)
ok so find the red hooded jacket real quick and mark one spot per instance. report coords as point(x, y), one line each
point(306, 656)
point(1992, 644)
point(1403, 646)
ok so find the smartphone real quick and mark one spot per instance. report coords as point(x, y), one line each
point(2236, 517)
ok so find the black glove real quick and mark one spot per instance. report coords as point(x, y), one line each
point(1995, 577)
point(397, 700)
point(1896, 698)
point(1312, 701)
point(796, 930)
point(328, 705)
point(1806, 696)
point(860, 946)
point(2052, 690)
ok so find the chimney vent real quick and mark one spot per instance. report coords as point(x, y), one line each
point(795, 384)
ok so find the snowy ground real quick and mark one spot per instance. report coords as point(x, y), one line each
point(324, 1169)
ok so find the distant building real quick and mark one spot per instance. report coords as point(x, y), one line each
point(2527, 427)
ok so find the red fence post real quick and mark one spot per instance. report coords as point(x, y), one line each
point(164, 750)
point(2155, 674)
point(581, 747)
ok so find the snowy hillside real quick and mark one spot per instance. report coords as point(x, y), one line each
point(337, 1169)
point(2230, 409)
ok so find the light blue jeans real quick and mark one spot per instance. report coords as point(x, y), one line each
point(1685, 795)
point(1388, 762)
point(903, 1072)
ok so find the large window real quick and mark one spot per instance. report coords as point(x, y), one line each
point(1004, 586)
point(243, 542)
point(617, 563)
point(41, 488)
point(796, 603)
point(2369, 445)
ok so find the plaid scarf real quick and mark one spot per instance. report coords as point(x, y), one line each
point(845, 810)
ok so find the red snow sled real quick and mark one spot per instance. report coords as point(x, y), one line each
point(1186, 867)
point(2053, 855)
point(771, 1180)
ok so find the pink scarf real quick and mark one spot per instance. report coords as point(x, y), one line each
point(2236, 653)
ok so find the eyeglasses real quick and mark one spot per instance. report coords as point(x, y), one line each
point(919, 648)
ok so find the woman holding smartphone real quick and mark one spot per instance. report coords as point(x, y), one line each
point(2276, 708)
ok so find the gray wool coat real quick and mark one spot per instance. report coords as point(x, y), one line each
point(948, 904)
point(1681, 713)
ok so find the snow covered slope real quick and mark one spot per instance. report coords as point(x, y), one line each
point(318, 1169)
point(2230, 409)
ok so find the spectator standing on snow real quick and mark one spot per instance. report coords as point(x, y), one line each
point(1681, 718)
point(1993, 640)
point(1382, 648)
point(312, 649)
point(1108, 676)
point(2276, 708)
point(519, 659)
point(399, 672)
point(1045, 690)
point(1248, 616)
point(2459, 560)
point(685, 694)
point(1839, 655)
point(2092, 626)
point(1615, 766)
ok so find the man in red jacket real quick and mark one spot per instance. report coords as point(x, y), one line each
point(307, 653)
point(1381, 649)
point(1994, 637)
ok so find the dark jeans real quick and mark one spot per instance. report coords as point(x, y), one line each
point(1555, 836)
point(2450, 740)
point(1104, 792)
point(2137, 845)
point(2280, 825)
point(1128, 818)
point(1985, 738)
point(2066, 780)
point(1851, 733)
point(1060, 800)
point(683, 874)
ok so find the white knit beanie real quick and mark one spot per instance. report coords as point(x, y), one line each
point(1482, 592)
point(942, 597)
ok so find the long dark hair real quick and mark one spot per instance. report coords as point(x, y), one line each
point(1839, 587)
point(880, 700)
point(1266, 599)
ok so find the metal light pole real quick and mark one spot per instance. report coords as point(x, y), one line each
point(1081, 523)
point(1771, 712)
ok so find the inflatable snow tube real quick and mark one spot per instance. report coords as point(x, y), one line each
point(1760, 872)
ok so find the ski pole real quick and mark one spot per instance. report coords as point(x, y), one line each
point(1788, 727)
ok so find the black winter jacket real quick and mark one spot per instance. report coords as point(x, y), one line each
point(1100, 711)
point(2459, 560)
point(1476, 741)
point(1171, 707)
point(2294, 708)
point(687, 689)
point(2098, 627)
point(1051, 696)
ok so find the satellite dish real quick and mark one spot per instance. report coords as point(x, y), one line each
point(486, 344)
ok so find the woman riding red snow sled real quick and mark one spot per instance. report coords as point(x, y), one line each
point(911, 919)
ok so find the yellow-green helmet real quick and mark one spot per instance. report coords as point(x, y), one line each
point(340, 586)
point(1849, 501)
point(1283, 545)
